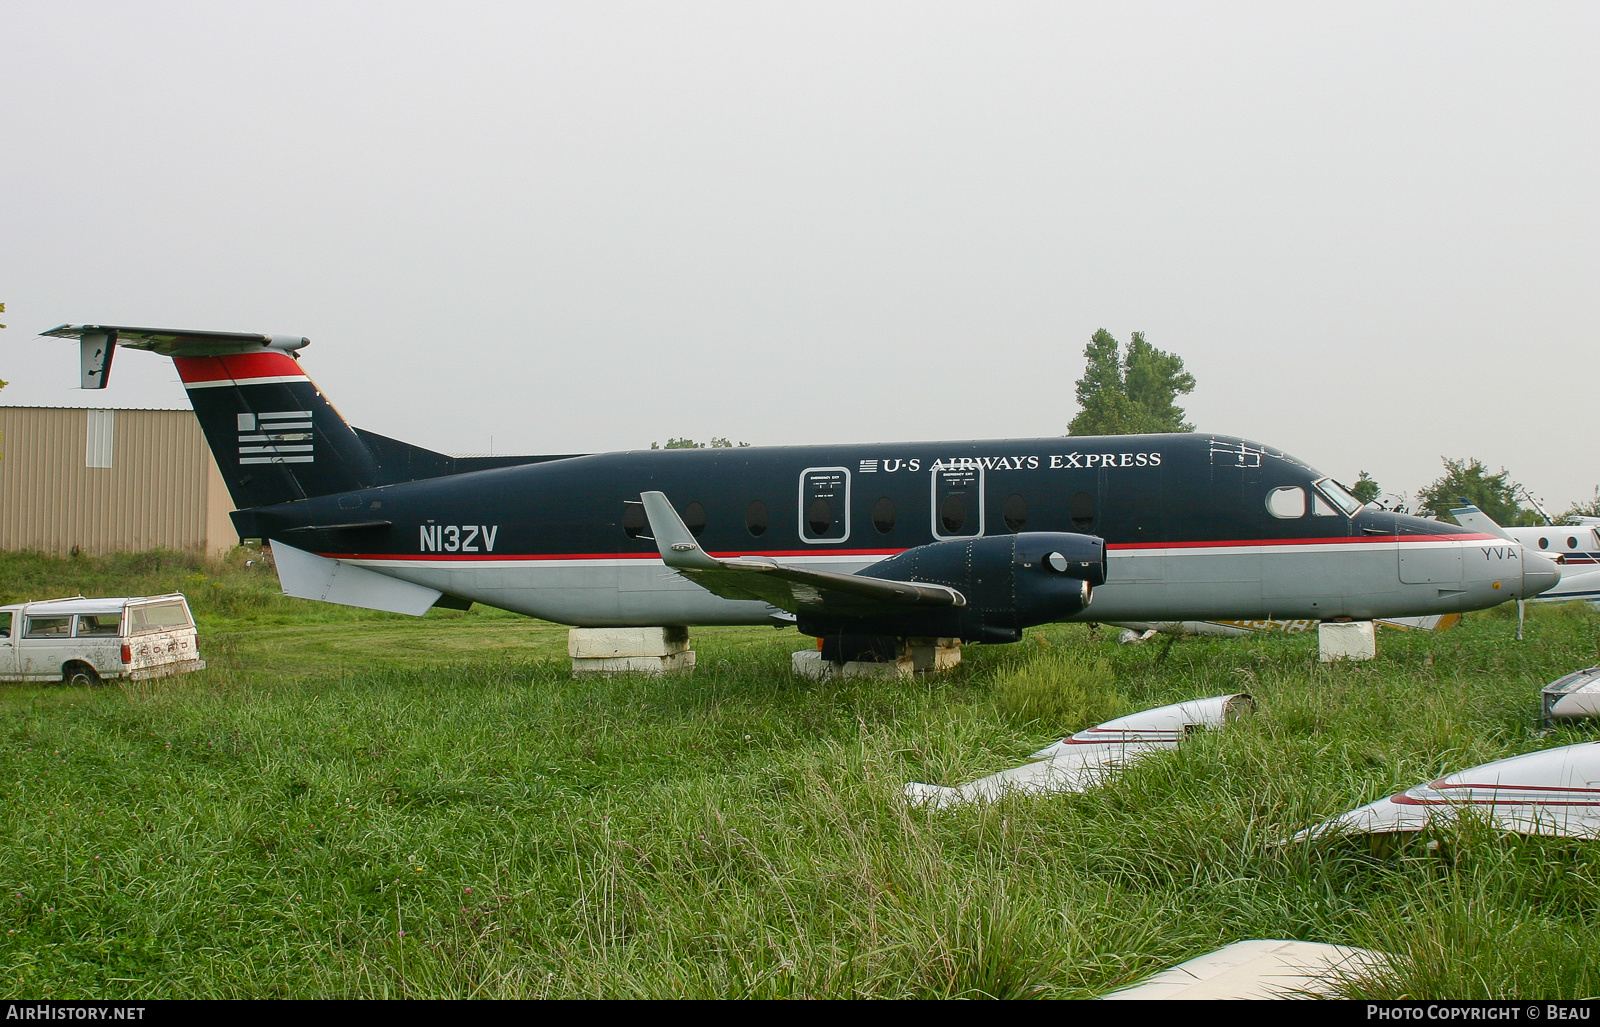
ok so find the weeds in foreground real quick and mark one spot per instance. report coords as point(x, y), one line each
point(348, 804)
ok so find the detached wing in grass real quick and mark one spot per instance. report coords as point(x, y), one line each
point(788, 588)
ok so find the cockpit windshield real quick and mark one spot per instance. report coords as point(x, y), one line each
point(1340, 496)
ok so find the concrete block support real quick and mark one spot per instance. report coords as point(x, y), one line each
point(629, 650)
point(1346, 640)
point(912, 656)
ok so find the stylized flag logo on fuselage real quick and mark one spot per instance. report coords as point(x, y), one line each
point(279, 437)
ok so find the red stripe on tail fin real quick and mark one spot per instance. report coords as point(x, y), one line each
point(241, 367)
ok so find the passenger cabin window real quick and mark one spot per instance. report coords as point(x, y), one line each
point(633, 519)
point(755, 518)
point(48, 627)
point(953, 514)
point(1081, 511)
point(99, 625)
point(1287, 503)
point(1572, 542)
point(694, 518)
point(1544, 543)
point(883, 515)
point(819, 516)
point(1015, 513)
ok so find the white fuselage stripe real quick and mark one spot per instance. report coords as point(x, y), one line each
point(220, 382)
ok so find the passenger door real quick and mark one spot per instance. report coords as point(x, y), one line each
point(825, 505)
point(957, 510)
point(45, 644)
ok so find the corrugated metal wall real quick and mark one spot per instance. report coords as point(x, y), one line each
point(162, 487)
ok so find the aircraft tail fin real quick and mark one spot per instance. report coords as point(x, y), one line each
point(275, 437)
point(1470, 517)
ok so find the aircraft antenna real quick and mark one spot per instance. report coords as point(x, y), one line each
point(1522, 490)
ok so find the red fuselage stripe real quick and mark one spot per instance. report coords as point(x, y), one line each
point(239, 367)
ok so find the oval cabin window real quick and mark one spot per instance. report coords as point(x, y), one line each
point(819, 516)
point(633, 520)
point(755, 518)
point(1287, 503)
point(1081, 511)
point(883, 515)
point(694, 518)
point(1544, 543)
point(953, 514)
point(1015, 513)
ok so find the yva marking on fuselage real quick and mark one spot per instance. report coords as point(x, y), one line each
point(458, 538)
point(1497, 552)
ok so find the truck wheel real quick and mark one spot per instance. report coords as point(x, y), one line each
point(80, 674)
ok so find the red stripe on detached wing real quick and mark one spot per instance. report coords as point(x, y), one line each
point(239, 368)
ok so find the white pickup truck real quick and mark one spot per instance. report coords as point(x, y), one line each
point(80, 641)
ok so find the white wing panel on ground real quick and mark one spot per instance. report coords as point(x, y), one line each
point(1093, 756)
point(1261, 969)
point(1553, 792)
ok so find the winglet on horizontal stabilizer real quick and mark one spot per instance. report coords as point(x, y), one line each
point(98, 344)
point(309, 576)
point(1470, 517)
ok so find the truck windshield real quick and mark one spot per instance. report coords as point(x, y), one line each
point(158, 617)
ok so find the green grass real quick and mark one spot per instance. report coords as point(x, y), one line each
point(271, 826)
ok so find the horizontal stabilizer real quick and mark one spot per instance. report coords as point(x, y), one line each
point(98, 344)
point(309, 576)
point(788, 588)
point(180, 342)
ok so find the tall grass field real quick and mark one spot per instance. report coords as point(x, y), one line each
point(353, 804)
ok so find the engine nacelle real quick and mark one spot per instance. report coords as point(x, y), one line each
point(1011, 582)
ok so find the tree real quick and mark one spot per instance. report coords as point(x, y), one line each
point(1365, 489)
point(1133, 394)
point(716, 443)
point(1494, 494)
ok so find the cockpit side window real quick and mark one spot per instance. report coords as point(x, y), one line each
point(1340, 496)
point(1287, 503)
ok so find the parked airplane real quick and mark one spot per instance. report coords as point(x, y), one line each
point(1577, 545)
point(968, 539)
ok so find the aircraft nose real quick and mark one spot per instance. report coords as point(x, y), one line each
point(1539, 573)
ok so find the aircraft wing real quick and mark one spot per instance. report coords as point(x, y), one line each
point(786, 587)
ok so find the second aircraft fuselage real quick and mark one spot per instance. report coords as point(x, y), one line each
point(1196, 526)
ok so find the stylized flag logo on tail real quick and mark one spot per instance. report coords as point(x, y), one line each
point(277, 437)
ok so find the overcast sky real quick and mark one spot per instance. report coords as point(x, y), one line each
point(1368, 228)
